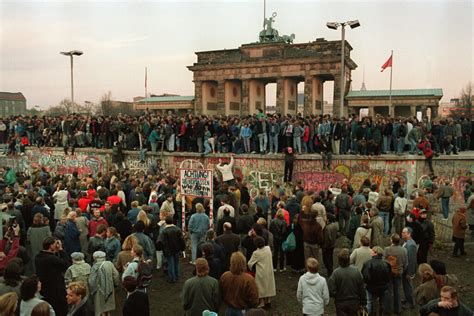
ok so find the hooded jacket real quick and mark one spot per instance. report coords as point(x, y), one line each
point(313, 292)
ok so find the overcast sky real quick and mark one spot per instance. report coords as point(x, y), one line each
point(432, 42)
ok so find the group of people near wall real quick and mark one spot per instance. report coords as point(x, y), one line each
point(259, 133)
point(73, 244)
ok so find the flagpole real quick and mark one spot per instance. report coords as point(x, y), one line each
point(146, 89)
point(391, 111)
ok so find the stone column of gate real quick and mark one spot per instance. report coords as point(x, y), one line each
point(280, 106)
point(336, 106)
point(198, 106)
point(309, 105)
point(434, 112)
point(244, 104)
point(221, 97)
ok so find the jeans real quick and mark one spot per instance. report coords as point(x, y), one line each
point(207, 147)
point(401, 145)
point(173, 267)
point(273, 144)
point(196, 238)
point(297, 144)
point(408, 289)
point(372, 300)
point(445, 207)
point(230, 311)
point(386, 222)
point(386, 143)
point(413, 146)
point(263, 139)
point(394, 290)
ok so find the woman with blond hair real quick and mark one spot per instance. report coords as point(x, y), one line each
point(8, 304)
point(125, 256)
point(238, 288)
point(428, 289)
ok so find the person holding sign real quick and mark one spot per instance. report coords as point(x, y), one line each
point(226, 170)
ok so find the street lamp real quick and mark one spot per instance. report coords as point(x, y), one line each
point(334, 26)
point(71, 54)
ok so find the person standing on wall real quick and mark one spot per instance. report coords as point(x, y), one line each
point(289, 162)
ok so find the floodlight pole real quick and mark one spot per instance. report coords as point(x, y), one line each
point(343, 81)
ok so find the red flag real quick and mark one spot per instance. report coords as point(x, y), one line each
point(387, 64)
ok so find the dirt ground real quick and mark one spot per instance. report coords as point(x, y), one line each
point(165, 298)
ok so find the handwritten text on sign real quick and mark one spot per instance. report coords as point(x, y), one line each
point(196, 182)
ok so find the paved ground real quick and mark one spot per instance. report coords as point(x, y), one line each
point(165, 298)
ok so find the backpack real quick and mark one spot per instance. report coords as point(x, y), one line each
point(393, 260)
point(145, 274)
point(289, 244)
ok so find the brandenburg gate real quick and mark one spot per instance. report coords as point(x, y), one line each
point(232, 81)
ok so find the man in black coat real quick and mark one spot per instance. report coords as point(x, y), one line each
point(230, 242)
point(377, 276)
point(137, 301)
point(51, 264)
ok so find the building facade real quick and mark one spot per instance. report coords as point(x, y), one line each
point(403, 103)
point(232, 81)
point(12, 103)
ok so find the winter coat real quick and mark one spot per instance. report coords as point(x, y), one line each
point(50, 269)
point(264, 277)
point(35, 237)
point(377, 231)
point(71, 238)
point(459, 225)
point(377, 274)
point(278, 229)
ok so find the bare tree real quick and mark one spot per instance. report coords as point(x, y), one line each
point(106, 103)
point(464, 105)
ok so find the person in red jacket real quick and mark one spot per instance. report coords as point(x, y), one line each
point(95, 221)
point(11, 237)
point(425, 147)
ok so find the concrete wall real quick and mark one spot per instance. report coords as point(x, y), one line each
point(261, 172)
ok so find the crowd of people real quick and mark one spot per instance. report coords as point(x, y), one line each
point(73, 244)
point(258, 133)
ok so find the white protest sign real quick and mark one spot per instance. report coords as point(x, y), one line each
point(196, 182)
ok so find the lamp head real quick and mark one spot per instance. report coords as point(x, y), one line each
point(73, 52)
point(353, 24)
point(332, 25)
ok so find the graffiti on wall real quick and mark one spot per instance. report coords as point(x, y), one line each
point(261, 172)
